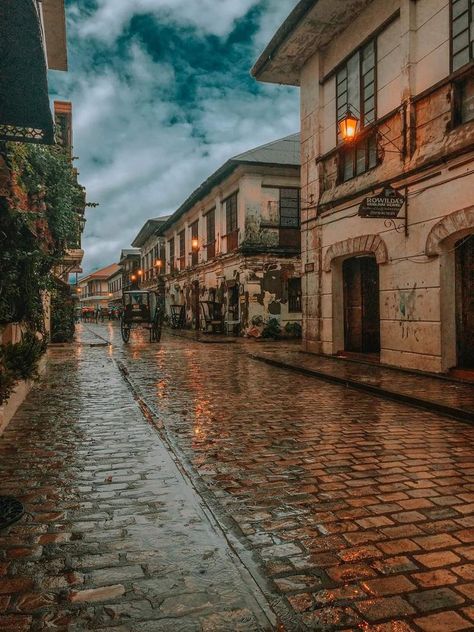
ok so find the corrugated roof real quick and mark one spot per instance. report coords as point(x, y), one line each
point(103, 273)
point(147, 230)
point(284, 151)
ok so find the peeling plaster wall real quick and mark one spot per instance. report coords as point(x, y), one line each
point(261, 282)
point(417, 306)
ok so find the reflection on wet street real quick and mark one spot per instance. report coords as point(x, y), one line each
point(349, 512)
point(114, 535)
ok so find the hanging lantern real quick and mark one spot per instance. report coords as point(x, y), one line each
point(348, 126)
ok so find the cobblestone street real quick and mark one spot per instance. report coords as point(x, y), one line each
point(341, 510)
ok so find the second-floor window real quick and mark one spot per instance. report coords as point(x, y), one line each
point(194, 229)
point(172, 255)
point(462, 32)
point(182, 250)
point(356, 86)
point(358, 158)
point(211, 234)
point(289, 208)
point(231, 213)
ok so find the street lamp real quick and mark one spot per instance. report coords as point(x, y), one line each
point(195, 243)
point(348, 126)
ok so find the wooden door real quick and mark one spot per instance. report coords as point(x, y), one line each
point(361, 305)
point(465, 302)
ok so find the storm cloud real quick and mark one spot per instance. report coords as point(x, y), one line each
point(162, 96)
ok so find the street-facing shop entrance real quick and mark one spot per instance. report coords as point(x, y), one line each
point(361, 305)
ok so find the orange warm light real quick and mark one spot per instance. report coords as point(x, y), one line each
point(195, 243)
point(133, 278)
point(158, 263)
point(348, 126)
point(140, 272)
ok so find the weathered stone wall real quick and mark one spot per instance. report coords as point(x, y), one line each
point(417, 306)
point(261, 282)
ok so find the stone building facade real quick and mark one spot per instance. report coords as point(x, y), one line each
point(93, 289)
point(399, 288)
point(235, 242)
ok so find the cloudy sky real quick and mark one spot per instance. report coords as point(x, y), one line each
point(162, 96)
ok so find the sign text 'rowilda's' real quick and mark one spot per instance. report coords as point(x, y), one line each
point(385, 205)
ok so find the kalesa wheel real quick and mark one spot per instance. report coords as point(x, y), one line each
point(125, 330)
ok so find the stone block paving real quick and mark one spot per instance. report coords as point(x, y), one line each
point(115, 537)
point(360, 510)
point(432, 389)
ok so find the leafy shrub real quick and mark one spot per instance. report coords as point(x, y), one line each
point(293, 330)
point(272, 329)
point(7, 382)
point(62, 316)
point(21, 359)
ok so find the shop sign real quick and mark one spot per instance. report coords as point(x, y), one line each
point(385, 205)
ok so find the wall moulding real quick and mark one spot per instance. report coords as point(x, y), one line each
point(364, 244)
point(455, 224)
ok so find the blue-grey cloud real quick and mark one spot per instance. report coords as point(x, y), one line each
point(162, 96)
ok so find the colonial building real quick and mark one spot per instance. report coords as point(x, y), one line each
point(387, 122)
point(151, 248)
point(231, 250)
point(115, 286)
point(130, 264)
point(93, 289)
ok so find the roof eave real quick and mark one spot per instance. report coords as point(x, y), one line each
point(259, 70)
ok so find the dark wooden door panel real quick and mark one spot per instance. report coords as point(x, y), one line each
point(361, 305)
point(465, 302)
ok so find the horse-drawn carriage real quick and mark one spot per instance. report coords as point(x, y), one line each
point(139, 311)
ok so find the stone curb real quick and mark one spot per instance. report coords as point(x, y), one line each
point(456, 413)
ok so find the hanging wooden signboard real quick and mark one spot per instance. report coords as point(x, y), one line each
point(384, 205)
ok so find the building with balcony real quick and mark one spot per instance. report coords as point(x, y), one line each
point(233, 246)
point(130, 264)
point(387, 122)
point(93, 289)
point(115, 287)
point(150, 245)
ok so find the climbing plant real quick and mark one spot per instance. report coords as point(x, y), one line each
point(37, 223)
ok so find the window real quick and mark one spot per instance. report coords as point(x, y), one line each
point(289, 208)
point(231, 213)
point(462, 33)
point(356, 86)
point(194, 228)
point(211, 234)
point(172, 254)
point(358, 158)
point(232, 235)
point(294, 295)
point(463, 101)
point(182, 250)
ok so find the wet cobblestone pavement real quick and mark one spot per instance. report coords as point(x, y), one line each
point(115, 537)
point(439, 391)
point(359, 511)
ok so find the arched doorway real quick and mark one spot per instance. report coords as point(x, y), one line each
point(465, 302)
point(361, 304)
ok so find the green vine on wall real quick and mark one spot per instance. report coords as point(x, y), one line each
point(37, 224)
